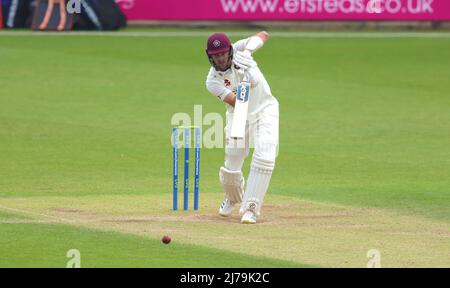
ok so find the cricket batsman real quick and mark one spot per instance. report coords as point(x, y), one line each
point(230, 62)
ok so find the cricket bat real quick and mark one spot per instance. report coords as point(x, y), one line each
point(241, 109)
point(243, 94)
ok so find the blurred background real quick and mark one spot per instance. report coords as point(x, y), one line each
point(85, 130)
point(285, 14)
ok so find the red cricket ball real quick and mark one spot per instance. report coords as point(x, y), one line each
point(166, 239)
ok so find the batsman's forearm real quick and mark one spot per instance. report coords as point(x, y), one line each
point(257, 41)
point(263, 35)
point(230, 99)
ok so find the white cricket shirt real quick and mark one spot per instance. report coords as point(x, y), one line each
point(220, 84)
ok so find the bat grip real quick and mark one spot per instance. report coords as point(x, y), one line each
point(246, 77)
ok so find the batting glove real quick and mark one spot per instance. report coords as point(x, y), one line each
point(244, 60)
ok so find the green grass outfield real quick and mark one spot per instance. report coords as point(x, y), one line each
point(85, 151)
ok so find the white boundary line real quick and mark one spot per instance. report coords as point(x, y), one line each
point(60, 219)
point(241, 34)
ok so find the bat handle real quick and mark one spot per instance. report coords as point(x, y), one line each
point(245, 79)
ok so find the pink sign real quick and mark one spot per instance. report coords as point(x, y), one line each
point(286, 9)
